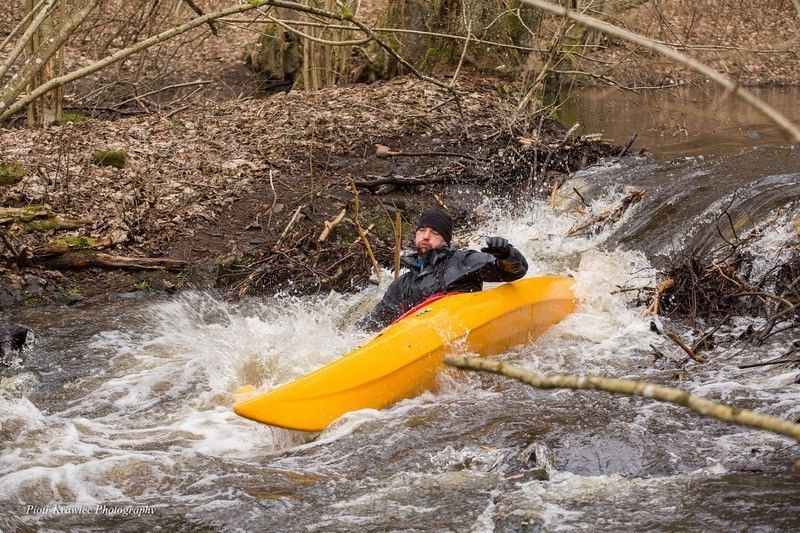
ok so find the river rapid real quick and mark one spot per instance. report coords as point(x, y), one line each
point(120, 416)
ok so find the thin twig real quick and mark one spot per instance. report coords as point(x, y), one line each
point(317, 39)
point(274, 200)
point(199, 11)
point(679, 341)
point(162, 89)
point(361, 232)
point(291, 223)
point(463, 53)
point(398, 242)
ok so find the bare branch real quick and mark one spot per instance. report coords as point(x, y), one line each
point(199, 11)
point(23, 22)
point(316, 39)
point(362, 233)
point(35, 64)
point(10, 109)
point(26, 37)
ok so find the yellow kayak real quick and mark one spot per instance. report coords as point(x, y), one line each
point(404, 359)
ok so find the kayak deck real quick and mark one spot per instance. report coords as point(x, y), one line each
point(404, 359)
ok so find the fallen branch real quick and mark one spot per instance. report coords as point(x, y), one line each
point(383, 152)
point(697, 404)
point(402, 181)
point(9, 215)
point(627, 146)
point(80, 260)
point(162, 89)
point(655, 306)
point(291, 223)
point(37, 218)
point(77, 244)
point(767, 363)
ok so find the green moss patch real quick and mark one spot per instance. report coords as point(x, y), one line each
point(73, 117)
point(11, 173)
point(110, 158)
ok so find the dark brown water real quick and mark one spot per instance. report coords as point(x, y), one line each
point(683, 121)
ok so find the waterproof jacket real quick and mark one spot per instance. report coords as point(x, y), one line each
point(446, 270)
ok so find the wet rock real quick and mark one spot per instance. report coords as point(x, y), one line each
point(537, 462)
point(35, 285)
point(13, 341)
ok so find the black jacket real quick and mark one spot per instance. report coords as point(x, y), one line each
point(447, 270)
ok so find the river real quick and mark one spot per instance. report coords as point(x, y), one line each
point(120, 417)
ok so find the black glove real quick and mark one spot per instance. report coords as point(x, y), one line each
point(497, 246)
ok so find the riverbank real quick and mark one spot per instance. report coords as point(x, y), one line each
point(242, 190)
point(238, 185)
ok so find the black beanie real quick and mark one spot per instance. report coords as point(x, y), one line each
point(439, 221)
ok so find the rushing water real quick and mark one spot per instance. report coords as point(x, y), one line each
point(120, 417)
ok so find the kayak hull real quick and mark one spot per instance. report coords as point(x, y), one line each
point(405, 358)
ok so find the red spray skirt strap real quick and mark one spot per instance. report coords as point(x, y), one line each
point(430, 299)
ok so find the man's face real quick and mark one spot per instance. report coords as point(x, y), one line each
point(426, 239)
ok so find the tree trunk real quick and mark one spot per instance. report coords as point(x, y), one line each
point(49, 108)
point(483, 23)
point(286, 58)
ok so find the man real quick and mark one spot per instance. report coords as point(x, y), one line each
point(437, 268)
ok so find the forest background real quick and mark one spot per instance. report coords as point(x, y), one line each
point(156, 145)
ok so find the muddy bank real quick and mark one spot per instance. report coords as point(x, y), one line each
point(242, 190)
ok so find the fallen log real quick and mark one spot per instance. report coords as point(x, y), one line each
point(79, 243)
point(89, 259)
point(9, 215)
point(37, 218)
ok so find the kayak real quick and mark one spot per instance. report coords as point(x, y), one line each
point(403, 360)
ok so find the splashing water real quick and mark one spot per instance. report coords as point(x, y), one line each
point(129, 406)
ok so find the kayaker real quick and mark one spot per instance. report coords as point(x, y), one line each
point(437, 267)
